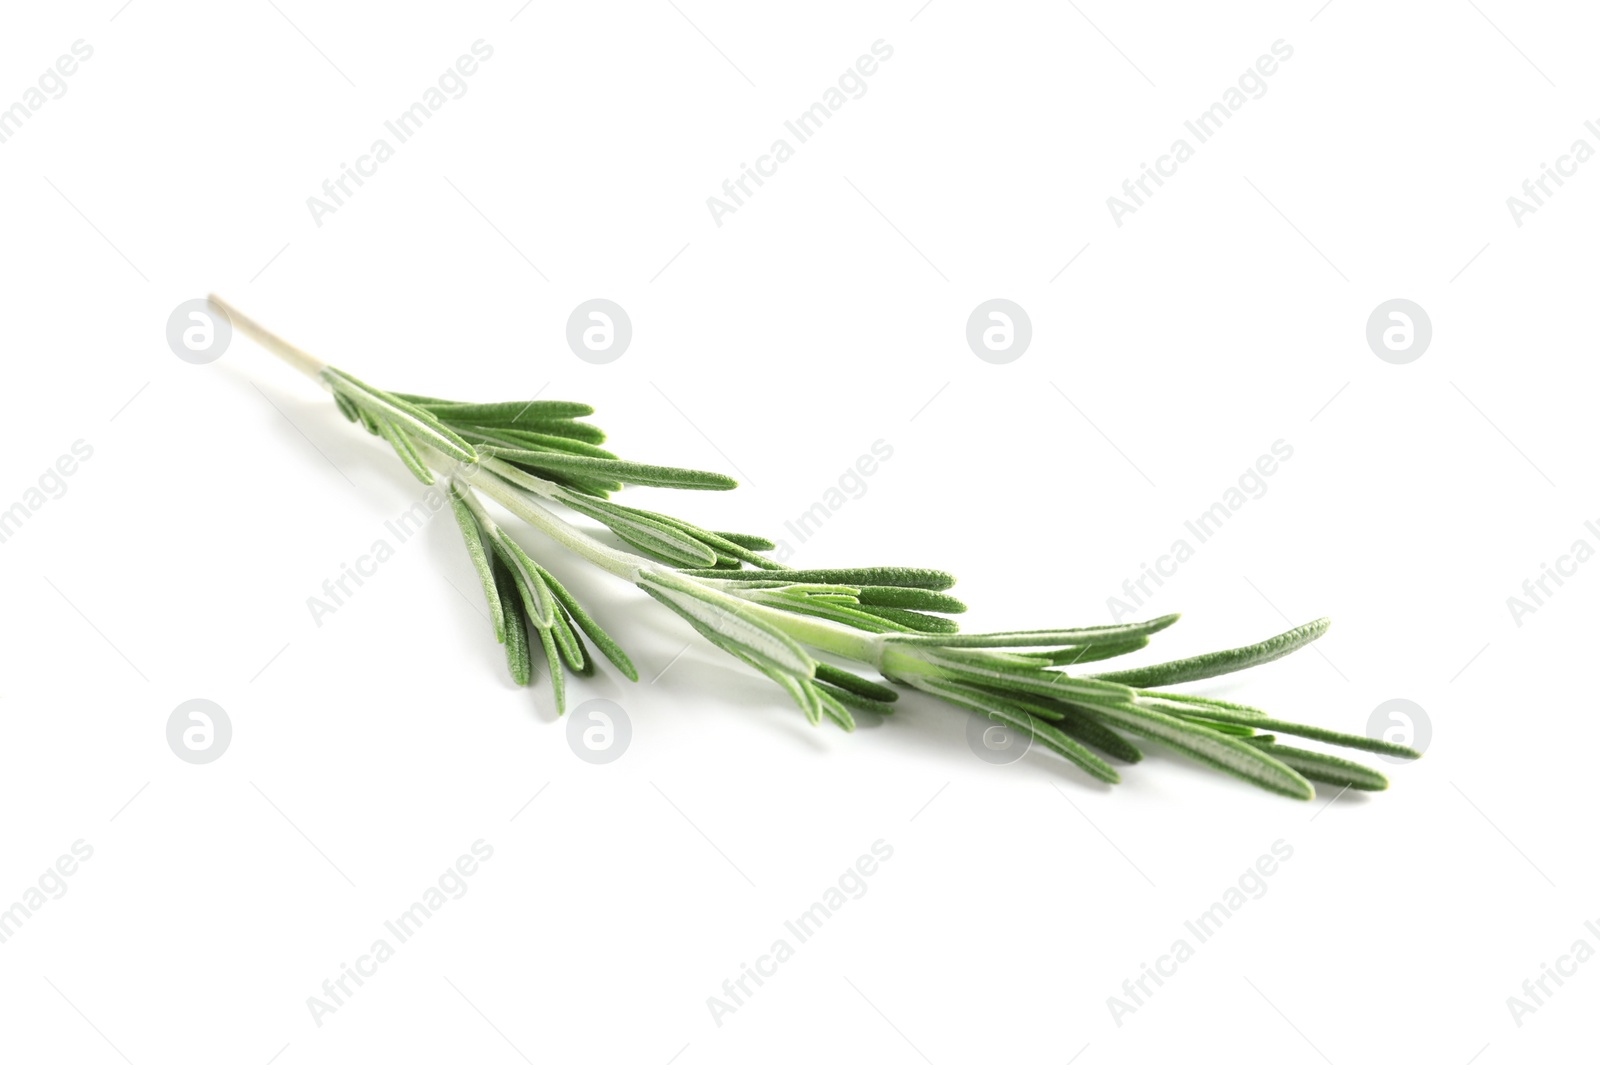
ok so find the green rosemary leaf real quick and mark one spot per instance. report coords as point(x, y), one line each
point(748, 541)
point(801, 691)
point(522, 440)
point(724, 547)
point(363, 417)
point(472, 530)
point(355, 413)
point(647, 551)
point(1009, 714)
point(1097, 634)
point(591, 488)
point(910, 599)
point(859, 685)
point(1093, 652)
point(855, 701)
point(528, 482)
point(639, 473)
point(1086, 729)
point(558, 677)
point(1219, 662)
point(512, 412)
point(713, 612)
point(845, 610)
point(1052, 728)
point(516, 640)
point(408, 454)
point(912, 619)
point(578, 432)
point(1232, 756)
point(1258, 720)
point(588, 666)
point(347, 408)
point(581, 431)
point(544, 417)
point(995, 673)
point(1050, 709)
point(567, 640)
point(590, 627)
point(1227, 728)
point(835, 708)
point(1033, 705)
point(678, 547)
point(1314, 765)
point(540, 608)
point(1073, 720)
point(891, 576)
point(573, 649)
point(425, 425)
point(593, 491)
point(805, 694)
point(818, 608)
point(1184, 697)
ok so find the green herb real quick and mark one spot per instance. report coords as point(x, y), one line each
point(544, 465)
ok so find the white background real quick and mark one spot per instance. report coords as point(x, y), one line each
point(826, 314)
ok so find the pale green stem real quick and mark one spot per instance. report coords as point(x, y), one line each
point(305, 362)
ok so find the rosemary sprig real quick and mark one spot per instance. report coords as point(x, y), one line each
point(543, 464)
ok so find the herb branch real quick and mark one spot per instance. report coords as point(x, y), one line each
point(544, 465)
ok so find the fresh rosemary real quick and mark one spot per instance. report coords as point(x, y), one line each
point(543, 464)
